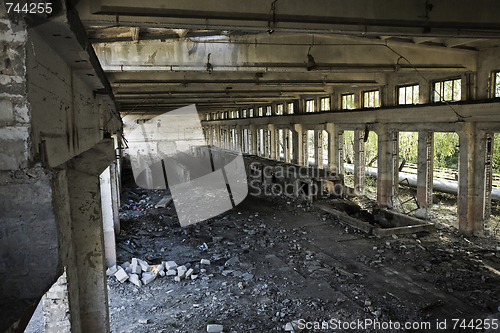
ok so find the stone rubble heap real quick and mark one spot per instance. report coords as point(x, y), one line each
point(140, 273)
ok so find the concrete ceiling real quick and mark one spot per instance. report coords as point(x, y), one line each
point(221, 55)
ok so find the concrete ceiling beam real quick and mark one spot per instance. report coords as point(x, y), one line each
point(445, 17)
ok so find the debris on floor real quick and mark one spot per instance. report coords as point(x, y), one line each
point(268, 265)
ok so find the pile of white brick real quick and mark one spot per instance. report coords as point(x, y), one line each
point(139, 272)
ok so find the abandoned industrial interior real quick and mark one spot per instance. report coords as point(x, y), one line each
point(250, 166)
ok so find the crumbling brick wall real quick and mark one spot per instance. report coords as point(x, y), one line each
point(56, 308)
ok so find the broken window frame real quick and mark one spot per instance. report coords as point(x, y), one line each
point(439, 93)
point(371, 99)
point(403, 97)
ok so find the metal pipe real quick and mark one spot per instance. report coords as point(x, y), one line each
point(441, 185)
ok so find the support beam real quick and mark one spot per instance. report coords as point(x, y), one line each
point(253, 139)
point(108, 216)
point(385, 169)
point(395, 167)
point(359, 162)
point(297, 145)
point(272, 139)
point(425, 172)
point(305, 148)
point(471, 199)
point(87, 286)
point(318, 148)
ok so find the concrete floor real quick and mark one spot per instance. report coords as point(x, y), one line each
point(306, 265)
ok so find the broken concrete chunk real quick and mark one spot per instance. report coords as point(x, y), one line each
point(143, 321)
point(134, 278)
point(148, 277)
point(205, 262)
point(135, 267)
point(214, 328)
point(156, 269)
point(144, 265)
point(170, 265)
point(181, 270)
point(232, 261)
point(189, 272)
point(121, 275)
point(164, 202)
point(177, 279)
point(171, 272)
point(111, 270)
point(194, 277)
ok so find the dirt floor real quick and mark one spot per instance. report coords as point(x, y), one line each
point(275, 261)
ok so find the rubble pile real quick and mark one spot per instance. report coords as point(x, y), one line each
point(140, 272)
point(267, 265)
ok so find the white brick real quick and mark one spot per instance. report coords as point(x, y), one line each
point(135, 267)
point(148, 277)
point(144, 265)
point(205, 262)
point(171, 272)
point(214, 328)
point(156, 269)
point(170, 265)
point(181, 270)
point(134, 278)
point(189, 272)
point(111, 271)
point(121, 275)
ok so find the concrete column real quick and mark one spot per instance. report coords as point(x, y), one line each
point(266, 142)
point(359, 162)
point(239, 133)
point(115, 196)
point(297, 145)
point(305, 149)
point(340, 140)
point(108, 217)
point(385, 166)
point(218, 142)
point(85, 262)
point(395, 166)
point(288, 145)
point(273, 143)
point(333, 147)
point(488, 179)
point(253, 139)
point(425, 171)
point(471, 180)
point(88, 295)
point(318, 148)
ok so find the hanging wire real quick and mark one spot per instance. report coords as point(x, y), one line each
point(272, 21)
point(460, 117)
